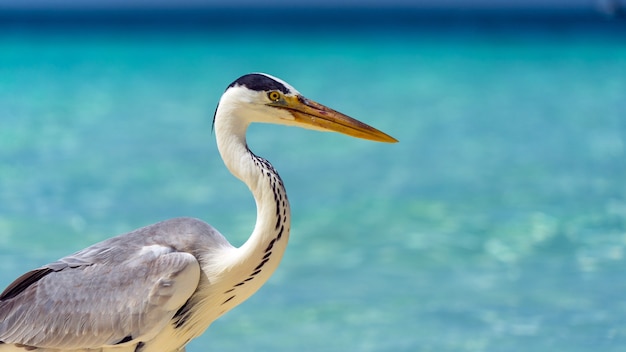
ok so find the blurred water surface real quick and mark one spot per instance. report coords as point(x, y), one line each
point(498, 223)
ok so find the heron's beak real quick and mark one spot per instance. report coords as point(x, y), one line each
point(318, 116)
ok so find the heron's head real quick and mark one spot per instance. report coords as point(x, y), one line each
point(259, 97)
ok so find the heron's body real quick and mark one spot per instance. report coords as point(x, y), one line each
point(156, 288)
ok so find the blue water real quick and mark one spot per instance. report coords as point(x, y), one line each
point(498, 223)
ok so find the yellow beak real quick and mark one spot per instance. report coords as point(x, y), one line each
point(318, 116)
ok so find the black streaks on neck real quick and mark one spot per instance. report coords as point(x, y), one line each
point(280, 199)
point(182, 315)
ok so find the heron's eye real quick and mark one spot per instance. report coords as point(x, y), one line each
point(273, 95)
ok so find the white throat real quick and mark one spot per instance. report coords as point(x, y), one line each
point(259, 256)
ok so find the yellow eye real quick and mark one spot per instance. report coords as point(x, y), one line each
point(273, 95)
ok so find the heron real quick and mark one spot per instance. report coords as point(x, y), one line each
point(156, 288)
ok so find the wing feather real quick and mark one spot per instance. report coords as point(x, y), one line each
point(23, 282)
point(99, 296)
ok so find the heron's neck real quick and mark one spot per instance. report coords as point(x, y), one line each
point(260, 255)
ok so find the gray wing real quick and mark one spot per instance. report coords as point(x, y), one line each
point(107, 294)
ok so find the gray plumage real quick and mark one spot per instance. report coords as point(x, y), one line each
point(113, 290)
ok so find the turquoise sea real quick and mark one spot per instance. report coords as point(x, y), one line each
point(498, 223)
